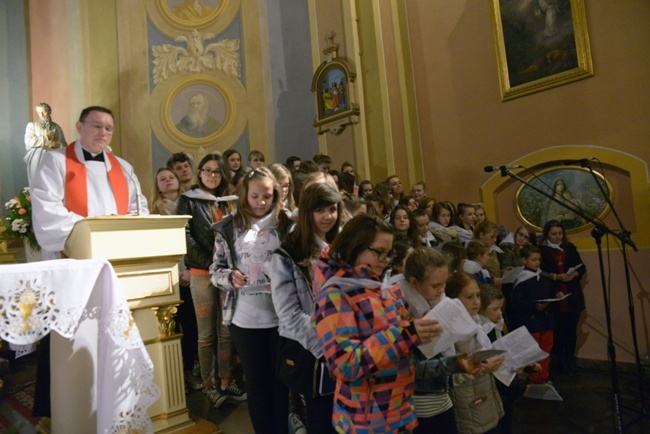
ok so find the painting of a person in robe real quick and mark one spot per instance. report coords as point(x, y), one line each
point(198, 121)
point(333, 92)
point(574, 187)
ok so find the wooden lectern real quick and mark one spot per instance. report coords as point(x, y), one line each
point(144, 251)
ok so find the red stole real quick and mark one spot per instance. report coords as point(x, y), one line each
point(76, 187)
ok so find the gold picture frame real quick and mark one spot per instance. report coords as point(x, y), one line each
point(572, 185)
point(540, 45)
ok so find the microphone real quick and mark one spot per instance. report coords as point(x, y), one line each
point(489, 169)
point(582, 162)
point(130, 174)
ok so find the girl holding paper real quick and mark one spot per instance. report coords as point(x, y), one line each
point(366, 330)
point(423, 285)
point(491, 313)
point(477, 404)
point(562, 261)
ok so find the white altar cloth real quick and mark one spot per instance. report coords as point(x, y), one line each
point(102, 373)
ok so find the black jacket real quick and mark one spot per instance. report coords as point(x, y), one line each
point(577, 299)
point(198, 235)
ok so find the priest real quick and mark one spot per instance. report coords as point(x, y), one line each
point(81, 180)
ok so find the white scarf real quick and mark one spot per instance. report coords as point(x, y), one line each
point(553, 246)
point(525, 275)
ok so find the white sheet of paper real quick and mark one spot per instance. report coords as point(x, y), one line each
point(456, 324)
point(553, 300)
point(572, 269)
point(542, 391)
point(521, 350)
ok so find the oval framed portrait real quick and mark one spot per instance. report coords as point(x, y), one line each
point(573, 187)
point(198, 111)
point(170, 16)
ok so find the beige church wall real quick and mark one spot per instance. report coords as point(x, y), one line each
point(465, 126)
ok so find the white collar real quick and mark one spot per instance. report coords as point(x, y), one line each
point(553, 246)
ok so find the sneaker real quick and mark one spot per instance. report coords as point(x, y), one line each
point(215, 397)
point(233, 391)
point(295, 424)
point(196, 369)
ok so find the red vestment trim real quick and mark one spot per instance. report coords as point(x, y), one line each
point(76, 187)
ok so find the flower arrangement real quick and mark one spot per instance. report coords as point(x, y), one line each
point(19, 218)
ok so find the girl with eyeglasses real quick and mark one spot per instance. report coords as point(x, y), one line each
point(203, 203)
point(366, 331)
point(283, 176)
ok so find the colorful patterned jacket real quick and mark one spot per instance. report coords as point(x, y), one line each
point(368, 338)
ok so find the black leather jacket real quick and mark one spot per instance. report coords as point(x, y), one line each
point(198, 235)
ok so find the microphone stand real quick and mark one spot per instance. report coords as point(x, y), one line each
point(599, 230)
point(624, 236)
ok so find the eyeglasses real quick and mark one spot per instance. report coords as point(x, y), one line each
point(98, 127)
point(285, 186)
point(208, 172)
point(384, 256)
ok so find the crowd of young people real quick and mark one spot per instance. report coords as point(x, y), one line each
point(299, 257)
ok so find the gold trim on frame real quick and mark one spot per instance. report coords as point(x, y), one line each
point(583, 54)
point(232, 126)
point(539, 227)
point(172, 25)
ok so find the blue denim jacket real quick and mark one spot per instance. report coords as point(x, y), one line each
point(432, 375)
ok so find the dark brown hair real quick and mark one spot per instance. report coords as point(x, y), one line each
point(357, 235)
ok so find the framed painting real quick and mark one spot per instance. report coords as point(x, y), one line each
point(332, 86)
point(573, 186)
point(540, 44)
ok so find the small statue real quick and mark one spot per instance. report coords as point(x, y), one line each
point(40, 137)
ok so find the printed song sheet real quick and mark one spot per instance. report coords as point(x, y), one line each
point(456, 324)
point(521, 350)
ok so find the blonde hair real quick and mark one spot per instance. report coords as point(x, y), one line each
point(280, 172)
point(244, 217)
point(156, 196)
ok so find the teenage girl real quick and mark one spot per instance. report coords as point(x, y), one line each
point(366, 331)
point(491, 313)
point(456, 256)
point(511, 246)
point(478, 255)
point(465, 219)
point(401, 220)
point(423, 285)
point(477, 404)
point(242, 260)
point(201, 202)
point(487, 232)
point(480, 213)
point(365, 189)
point(426, 204)
point(292, 270)
point(558, 256)
point(166, 189)
point(232, 158)
point(440, 223)
point(283, 176)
